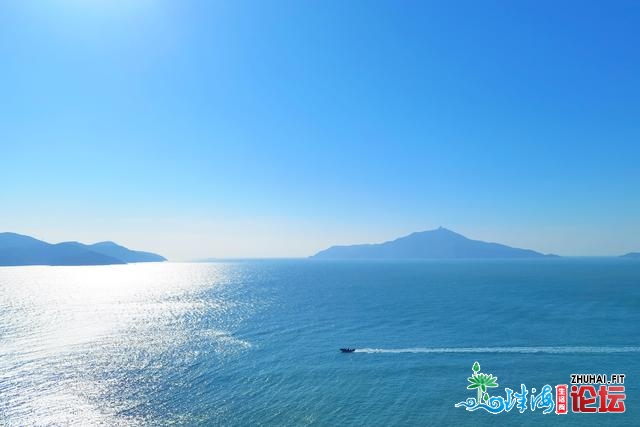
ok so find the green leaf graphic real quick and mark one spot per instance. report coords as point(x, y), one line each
point(481, 382)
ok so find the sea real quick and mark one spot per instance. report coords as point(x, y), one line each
point(256, 342)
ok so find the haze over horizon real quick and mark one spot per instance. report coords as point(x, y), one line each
point(275, 129)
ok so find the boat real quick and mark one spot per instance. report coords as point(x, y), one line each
point(347, 350)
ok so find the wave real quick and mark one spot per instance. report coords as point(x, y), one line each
point(551, 350)
point(223, 337)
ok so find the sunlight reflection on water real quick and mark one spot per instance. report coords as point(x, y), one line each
point(70, 337)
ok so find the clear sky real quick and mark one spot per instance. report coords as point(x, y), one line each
point(277, 128)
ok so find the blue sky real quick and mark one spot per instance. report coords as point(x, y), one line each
point(276, 128)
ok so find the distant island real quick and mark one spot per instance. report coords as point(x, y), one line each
point(631, 255)
point(434, 244)
point(17, 249)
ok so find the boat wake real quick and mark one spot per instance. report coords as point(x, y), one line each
point(548, 350)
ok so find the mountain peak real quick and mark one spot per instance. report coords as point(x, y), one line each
point(442, 230)
point(106, 243)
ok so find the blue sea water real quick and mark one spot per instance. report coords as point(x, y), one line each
point(256, 342)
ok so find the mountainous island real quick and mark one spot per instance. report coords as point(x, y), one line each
point(17, 249)
point(434, 244)
point(631, 255)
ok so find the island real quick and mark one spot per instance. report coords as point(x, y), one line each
point(440, 243)
point(631, 255)
point(17, 249)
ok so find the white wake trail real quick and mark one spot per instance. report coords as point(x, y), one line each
point(550, 350)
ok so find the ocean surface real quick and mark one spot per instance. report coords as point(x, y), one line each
point(256, 342)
